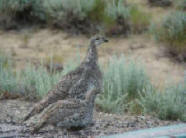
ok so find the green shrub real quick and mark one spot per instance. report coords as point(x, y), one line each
point(72, 64)
point(8, 79)
point(4, 60)
point(172, 31)
point(16, 9)
point(38, 81)
point(15, 13)
point(180, 4)
point(31, 82)
point(122, 84)
point(116, 9)
point(61, 9)
point(118, 14)
point(115, 16)
point(96, 12)
point(12, 6)
point(139, 19)
point(75, 15)
point(169, 104)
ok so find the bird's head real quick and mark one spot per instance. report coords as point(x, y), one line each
point(98, 40)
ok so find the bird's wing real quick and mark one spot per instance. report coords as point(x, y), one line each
point(61, 91)
point(80, 87)
point(65, 113)
point(57, 93)
point(63, 109)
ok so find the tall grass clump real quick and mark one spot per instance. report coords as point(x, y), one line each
point(8, 78)
point(88, 16)
point(11, 7)
point(139, 19)
point(76, 15)
point(172, 31)
point(8, 81)
point(19, 10)
point(31, 82)
point(123, 82)
point(37, 82)
point(169, 104)
point(67, 9)
point(118, 14)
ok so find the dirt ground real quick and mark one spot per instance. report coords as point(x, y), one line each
point(41, 44)
point(12, 111)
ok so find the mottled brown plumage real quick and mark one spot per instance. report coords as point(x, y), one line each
point(76, 83)
point(66, 113)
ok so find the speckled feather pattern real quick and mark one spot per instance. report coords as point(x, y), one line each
point(70, 103)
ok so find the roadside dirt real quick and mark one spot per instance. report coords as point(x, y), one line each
point(12, 111)
point(35, 45)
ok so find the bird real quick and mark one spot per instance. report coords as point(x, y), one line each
point(69, 113)
point(75, 83)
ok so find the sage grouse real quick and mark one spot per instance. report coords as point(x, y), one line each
point(66, 113)
point(76, 83)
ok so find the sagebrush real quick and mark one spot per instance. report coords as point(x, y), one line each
point(181, 5)
point(122, 84)
point(8, 79)
point(126, 88)
point(31, 82)
point(172, 31)
point(169, 104)
point(92, 16)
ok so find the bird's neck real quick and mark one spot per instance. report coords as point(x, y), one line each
point(92, 56)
